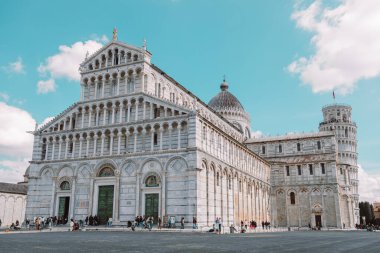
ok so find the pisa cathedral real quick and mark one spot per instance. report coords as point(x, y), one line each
point(139, 143)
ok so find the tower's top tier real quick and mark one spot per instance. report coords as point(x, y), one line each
point(337, 113)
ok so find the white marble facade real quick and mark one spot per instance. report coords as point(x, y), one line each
point(156, 144)
point(134, 124)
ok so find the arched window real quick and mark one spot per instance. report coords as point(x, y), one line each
point(151, 181)
point(346, 132)
point(280, 148)
point(65, 186)
point(298, 146)
point(292, 198)
point(106, 172)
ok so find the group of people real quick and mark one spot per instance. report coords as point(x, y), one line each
point(146, 222)
point(92, 220)
point(15, 226)
point(369, 227)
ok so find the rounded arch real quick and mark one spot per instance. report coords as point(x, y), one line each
point(46, 171)
point(151, 164)
point(129, 167)
point(176, 163)
point(81, 166)
point(65, 170)
point(103, 163)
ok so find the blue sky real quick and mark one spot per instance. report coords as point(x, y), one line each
point(196, 42)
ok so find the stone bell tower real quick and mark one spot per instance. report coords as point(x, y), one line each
point(338, 118)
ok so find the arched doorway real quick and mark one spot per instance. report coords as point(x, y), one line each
point(105, 203)
point(151, 193)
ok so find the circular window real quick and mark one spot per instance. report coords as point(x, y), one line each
point(65, 186)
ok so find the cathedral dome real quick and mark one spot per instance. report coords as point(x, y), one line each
point(227, 105)
point(224, 100)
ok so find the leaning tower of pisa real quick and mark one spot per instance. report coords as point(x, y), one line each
point(338, 118)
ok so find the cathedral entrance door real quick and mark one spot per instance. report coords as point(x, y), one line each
point(63, 208)
point(151, 205)
point(318, 221)
point(105, 203)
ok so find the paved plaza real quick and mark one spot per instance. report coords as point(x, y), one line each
point(311, 241)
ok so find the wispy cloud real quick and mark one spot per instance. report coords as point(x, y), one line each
point(16, 67)
point(346, 41)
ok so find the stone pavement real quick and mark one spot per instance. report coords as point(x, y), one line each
point(107, 241)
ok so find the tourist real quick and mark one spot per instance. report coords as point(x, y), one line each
point(150, 222)
point(220, 225)
point(182, 223)
point(71, 225)
point(0, 222)
point(232, 229)
point(159, 221)
point(86, 220)
point(96, 220)
point(109, 222)
point(91, 220)
point(195, 225)
point(216, 225)
point(262, 224)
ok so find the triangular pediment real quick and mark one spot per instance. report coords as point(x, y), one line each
point(110, 47)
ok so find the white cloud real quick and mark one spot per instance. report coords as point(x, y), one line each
point(12, 171)
point(4, 96)
point(369, 186)
point(65, 63)
point(103, 38)
point(14, 140)
point(47, 120)
point(15, 67)
point(15, 143)
point(257, 134)
point(47, 86)
point(346, 40)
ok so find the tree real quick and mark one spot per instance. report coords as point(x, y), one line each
point(366, 210)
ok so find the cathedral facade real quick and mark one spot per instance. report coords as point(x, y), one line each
point(139, 143)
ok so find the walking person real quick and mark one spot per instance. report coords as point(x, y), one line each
point(182, 223)
point(220, 225)
point(159, 221)
point(195, 225)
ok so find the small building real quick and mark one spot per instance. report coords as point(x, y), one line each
point(12, 203)
point(376, 209)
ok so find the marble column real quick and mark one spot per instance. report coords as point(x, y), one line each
point(161, 133)
point(119, 142)
point(128, 112)
point(102, 145)
point(104, 115)
point(53, 149)
point(59, 148)
point(179, 136)
point(137, 110)
point(87, 144)
point(80, 146)
point(95, 140)
point(111, 143)
point(73, 151)
point(121, 113)
point(66, 147)
point(135, 142)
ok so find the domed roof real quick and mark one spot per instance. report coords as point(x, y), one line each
point(224, 100)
